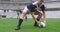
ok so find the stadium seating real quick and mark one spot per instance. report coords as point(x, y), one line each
point(15, 4)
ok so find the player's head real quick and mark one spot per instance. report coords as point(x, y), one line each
point(40, 1)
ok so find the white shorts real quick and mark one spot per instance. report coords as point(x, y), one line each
point(25, 9)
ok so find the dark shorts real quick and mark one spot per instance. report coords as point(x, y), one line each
point(31, 7)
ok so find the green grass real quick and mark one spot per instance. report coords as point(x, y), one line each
point(8, 25)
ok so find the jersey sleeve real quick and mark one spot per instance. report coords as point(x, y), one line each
point(42, 7)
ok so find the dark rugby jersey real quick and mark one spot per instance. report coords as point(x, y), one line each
point(33, 7)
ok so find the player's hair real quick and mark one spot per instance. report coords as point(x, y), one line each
point(41, 0)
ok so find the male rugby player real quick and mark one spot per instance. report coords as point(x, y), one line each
point(35, 9)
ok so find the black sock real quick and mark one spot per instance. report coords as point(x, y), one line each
point(35, 22)
point(38, 19)
point(20, 22)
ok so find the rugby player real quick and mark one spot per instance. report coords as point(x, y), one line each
point(35, 9)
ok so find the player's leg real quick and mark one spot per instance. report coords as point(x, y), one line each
point(38, 18)
point(21, 18)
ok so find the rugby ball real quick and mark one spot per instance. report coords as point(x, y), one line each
point(42, 24)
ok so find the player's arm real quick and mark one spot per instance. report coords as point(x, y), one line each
point(44, 13)
point(32, 13)
point(44, 17)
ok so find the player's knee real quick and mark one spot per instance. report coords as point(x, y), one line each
point(22, 15)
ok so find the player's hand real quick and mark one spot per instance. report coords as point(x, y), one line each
point(45, 22)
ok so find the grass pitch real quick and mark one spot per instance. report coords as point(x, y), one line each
point(8, 25)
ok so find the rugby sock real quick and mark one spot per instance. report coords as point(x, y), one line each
point(38, 19)
point(35, 22)
point(20, 22)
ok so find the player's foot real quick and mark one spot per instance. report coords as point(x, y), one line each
point(36, 24)
point(17, 28)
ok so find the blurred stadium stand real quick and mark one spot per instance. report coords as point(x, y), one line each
point(8, 5)
point(14, 4)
